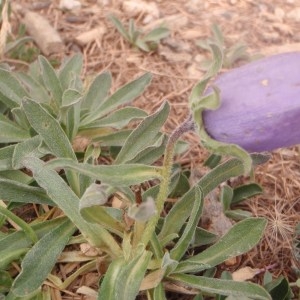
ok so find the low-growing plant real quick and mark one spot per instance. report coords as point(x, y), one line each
point(139, 249)
point(146, 42)
point(21, 46)
point(232, 54)
point(14, 47)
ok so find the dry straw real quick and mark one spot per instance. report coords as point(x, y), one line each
point(5, 28)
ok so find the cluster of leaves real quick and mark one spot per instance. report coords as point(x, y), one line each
point(16, 47)
point(43, 111)
point(232, 54)
point(145, 42)
point(21, 46)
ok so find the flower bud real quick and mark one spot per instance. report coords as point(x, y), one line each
point(260, 105)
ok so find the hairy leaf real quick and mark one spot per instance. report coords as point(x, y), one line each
point(238, 240)
point(142, 136)
point(123, 278)
point(96, 94)
point(49, 129)
point(115, 175)
point(41, 258)
point(60, 193)
point(185, 239)
point(69, 69)
point(223, 287)
point(10, 132)
point(183, 208)
point(11, 91)
point(119, 118)
point(51, 80)
point(122, 96)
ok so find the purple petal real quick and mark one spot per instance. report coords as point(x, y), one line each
point(260, 105)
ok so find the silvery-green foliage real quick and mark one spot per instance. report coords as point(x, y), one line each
point(46, 110)
point(146, 42)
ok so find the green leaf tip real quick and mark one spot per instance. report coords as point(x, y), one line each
point(199, 102)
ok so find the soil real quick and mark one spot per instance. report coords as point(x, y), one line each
point(266, 27)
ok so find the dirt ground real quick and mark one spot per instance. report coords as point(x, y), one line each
point(267, 27)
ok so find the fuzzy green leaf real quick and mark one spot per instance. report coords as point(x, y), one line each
point(120, 27)
point(246, 191)
point(70, 97)
point(238, 240)
point(142, 45)
point(119, 118)
point(9, 256)
point(14, 191)
point(280, 289)
point(226, 197)
point(116, 139)
point(185, 239)
point(40, 260)
point(222, 287)
point(115, 175)
point(218, 35)
point(73, 120)
point(156, 34)
point(238, 214)
point(203, 237)
point(28, 147)
point(36, 89)
point(16, 175)
point(11, 91)
point(61, 194)
point(51, 80)
point(49, 129)
point(143, 135)
point(52, 134)
point(69, 69)
point(6, 154)
point(122, 96)
point(123, 278)
point(159, 293)
point(151, 153)
point(96, 94)
point(18, 115)
point(11, 132)
point(22, 224)
point(183, 208)
point(18, 239)
point(19, 42)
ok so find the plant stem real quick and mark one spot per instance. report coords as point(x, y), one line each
point(186, 126)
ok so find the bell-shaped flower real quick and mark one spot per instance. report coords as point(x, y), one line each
point(259, 107)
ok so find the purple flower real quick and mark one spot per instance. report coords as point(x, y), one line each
point(260, 105)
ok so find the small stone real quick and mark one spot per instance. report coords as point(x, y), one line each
point(174, 56)
point(69, 4)
point(135, 8)
point(88, 250)
point(176, 22)
point(200, 58)
point(194, 71)
point(92, 35)
point(279, 13)
point(194, 5)
point(271, 37)
point(294, 15)
point(177, 45)
point(103, 2)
